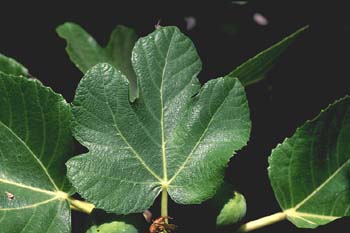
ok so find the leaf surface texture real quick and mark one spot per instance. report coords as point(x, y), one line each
point(310, 171)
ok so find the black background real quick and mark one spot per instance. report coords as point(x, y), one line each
point(311, 74)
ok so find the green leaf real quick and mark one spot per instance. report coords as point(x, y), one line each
point(177, 136)
point(255, 68)
point(229, 205)
point(233, 211)
point(85, 52)
point(11, 66)
point(309, 172)
point(113, 227)
point(35, 143)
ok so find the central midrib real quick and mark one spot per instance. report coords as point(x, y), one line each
point(294, 213)
point(165, 173)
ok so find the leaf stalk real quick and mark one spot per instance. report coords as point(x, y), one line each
point(164, 204)
point(81, 206)
point(262, 222)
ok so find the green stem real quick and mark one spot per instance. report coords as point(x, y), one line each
point(164, 205)
point(262, 222)
point(81, 206)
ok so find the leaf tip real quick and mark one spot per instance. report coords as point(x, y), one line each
point(65, 26)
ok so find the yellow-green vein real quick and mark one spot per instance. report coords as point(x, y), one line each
point(32, 153)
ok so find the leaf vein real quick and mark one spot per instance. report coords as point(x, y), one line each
point(31, 206)
point(198, 142)
point(27, 187)
point(165, 174)
point(321, 185)
point(54, 153)
point(43, 143)
point(32, 153)
point(29, 220)
point(53, 219)
point(124, 139)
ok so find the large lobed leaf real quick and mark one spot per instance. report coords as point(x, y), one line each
point(176, 136)
point(35, 143)
point(85, 52)
point(310, 171)
point(11, 66)
point(256, 67)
